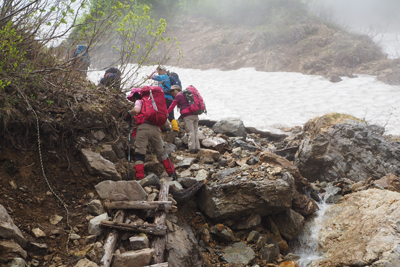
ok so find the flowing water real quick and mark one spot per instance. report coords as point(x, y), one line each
point(306, 244)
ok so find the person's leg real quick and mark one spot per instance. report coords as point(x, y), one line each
point(141, 142)
point(157, 142)
point(196, 132)
point(189, 126)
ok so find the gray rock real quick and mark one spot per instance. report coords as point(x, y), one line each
point(201, 175)
point(247, 223)
point(289, 223)
point(17, 262)
point(8, 230)
point(230, 127)
point(350, 150)
point(97, 165)
point(182, 250)
point(86, 263)
point(139, 242)
point(184, 163)
point(95, 207)
point(239, 253)
point(269, 252)
point(10, 250)
point(121, 190)
point(150, 179)
point(119, 150)
point(134, 258)
point(94, 224)
point(108, 153)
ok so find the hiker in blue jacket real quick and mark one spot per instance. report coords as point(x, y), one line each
point(164, 81)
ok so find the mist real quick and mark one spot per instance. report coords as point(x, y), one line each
point(378, 14)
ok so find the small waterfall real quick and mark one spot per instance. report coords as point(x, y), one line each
point(306, 244)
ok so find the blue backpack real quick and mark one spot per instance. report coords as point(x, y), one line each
point(174, 79)
point(82, 54)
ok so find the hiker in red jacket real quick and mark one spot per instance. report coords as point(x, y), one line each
point(191, 120)
point(146, 132)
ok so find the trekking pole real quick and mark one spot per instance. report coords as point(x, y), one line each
point(169, 160)
point(129, 147)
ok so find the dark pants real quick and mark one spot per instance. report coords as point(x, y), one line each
point(171, 115)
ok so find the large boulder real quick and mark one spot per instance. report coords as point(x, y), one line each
point(348, 150)
point(362, 229)
point(230, 127)
point(232, 198)
point(97, 165)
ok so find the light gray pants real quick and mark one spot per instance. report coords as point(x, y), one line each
point(192, 126)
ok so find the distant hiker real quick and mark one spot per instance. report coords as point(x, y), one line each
point(191, 120)
point(150, 112)
point(165, 82)
point(112, 78)
point(81, 59)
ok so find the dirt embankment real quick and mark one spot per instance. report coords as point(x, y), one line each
point(308, 47)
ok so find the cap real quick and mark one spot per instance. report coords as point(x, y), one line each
point(133, 91)
point(176, 87)
point(162, 68)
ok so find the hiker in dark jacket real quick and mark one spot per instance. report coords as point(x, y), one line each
point(165, 83)
point(112, 78)
point(191, 120)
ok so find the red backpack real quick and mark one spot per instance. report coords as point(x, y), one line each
point(154, 109)
point(195, 101)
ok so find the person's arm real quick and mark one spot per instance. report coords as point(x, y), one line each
point(172, 106)
point(136, 109)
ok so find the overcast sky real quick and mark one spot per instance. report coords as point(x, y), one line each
point(383, 14)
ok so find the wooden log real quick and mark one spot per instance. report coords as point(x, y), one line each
point(151, 228)
point(164, 264)
point(111, 241)
point(139, 205)
point(159, 242)
point(187, 193)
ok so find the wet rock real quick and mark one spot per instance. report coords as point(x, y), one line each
point(230, 127)
point(289, 223)
point(97, 165)
point(362, 228)
point(239, 253)
point(303, 205)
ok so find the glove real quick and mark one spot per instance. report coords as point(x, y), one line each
point(128, 117)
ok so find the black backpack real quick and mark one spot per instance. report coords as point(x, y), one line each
point(174, 78)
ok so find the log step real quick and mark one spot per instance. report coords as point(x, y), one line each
point(139, 205)
point(153, 229)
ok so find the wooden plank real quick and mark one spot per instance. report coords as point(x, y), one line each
point(139, 205)
point(153, 229)
point(159, 242)
point(111, 241)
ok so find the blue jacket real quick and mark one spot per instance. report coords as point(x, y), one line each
point(165, 83)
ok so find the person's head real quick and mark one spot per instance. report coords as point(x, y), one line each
point(161, 70)
point(175, 89)
point(134, 95)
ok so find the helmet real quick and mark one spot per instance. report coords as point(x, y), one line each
point(134, 91)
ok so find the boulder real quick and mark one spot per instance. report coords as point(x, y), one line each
point(8, 230)
point(352, 150)
point(230, 127)
point(362, 229)
point(97, 165)
point(238, 198)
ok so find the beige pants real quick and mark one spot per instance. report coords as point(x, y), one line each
point(192, 125)
point(149, 133)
